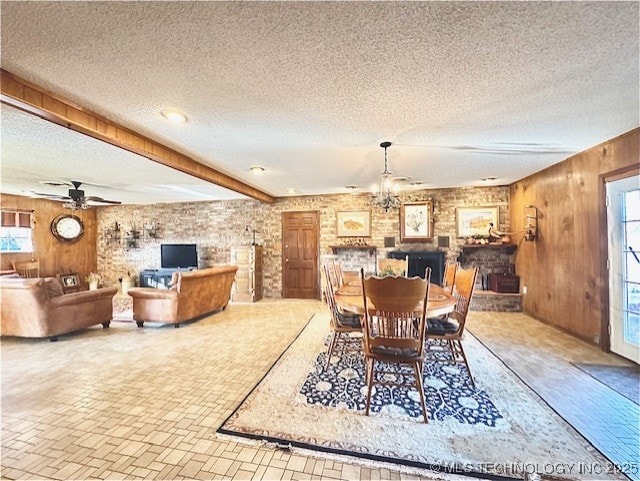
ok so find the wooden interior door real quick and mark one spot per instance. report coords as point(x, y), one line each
point(300, 236)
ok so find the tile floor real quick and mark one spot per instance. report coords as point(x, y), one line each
point(129, 403)
point(541, 356)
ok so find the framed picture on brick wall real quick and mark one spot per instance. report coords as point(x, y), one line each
point(416, 221)
point(474, 221)
point(353, 223)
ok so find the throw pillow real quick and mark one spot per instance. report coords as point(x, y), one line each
point(52, 287)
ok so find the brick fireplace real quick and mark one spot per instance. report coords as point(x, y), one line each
point(491, 259)
point(420, 260)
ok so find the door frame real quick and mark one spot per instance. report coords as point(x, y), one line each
point(622, 173)
point(282, 253)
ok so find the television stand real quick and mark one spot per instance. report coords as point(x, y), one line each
point(160, 278)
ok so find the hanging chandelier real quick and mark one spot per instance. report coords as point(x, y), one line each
point(76, 204)
point(385, 193)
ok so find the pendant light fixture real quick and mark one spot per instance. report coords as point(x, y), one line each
point(385, 192)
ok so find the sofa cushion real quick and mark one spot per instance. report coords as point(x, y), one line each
point(349, 319)
point(52, 287)
point(175, 281)
point(441, 327)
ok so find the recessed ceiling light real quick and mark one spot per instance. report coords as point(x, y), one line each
point(291, 190)
point(489, 179)
point(174, 116)
point(351, 187)
point(256, 169)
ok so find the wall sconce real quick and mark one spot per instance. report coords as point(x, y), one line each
point(530, 222)
point(250, 229)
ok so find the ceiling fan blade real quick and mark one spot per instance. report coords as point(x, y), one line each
point(101, 200)
point(51, 196)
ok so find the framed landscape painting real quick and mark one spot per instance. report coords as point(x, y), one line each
point(354, 223)
point(416, 221)
point(473, 221)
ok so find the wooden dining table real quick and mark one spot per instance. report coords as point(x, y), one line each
point(349, 298)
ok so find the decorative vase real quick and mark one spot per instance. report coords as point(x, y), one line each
point(93, 285)
point(127, 283)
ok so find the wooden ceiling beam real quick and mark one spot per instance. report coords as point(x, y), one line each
point(30, 98)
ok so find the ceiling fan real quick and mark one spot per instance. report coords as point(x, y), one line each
point(76, 199)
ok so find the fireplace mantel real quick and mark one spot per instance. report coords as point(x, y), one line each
point(372, 249)
point(508, 248)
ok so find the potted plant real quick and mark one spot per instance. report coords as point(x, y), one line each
point(94, 279)
point(127, 282)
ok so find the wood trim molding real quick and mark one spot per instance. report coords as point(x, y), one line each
point(30, 98)
point(624, 172)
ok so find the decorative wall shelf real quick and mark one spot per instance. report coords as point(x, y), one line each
point(113, 235)
point(131, 238)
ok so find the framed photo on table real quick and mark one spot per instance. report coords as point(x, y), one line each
point(70, 282)
point(416, 221)
point(353, 223)
point(472, 221)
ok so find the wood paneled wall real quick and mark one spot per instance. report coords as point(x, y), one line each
point(562, 269)
point(55, 256)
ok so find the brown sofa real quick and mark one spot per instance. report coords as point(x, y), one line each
point(38, 308)
point(193, 294)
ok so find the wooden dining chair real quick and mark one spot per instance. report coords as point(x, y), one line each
point(393, 267)
point(449, 276)
point(444, 336)
point(338, 272)
point(342, 323)
point(394, 329)
point(28, 269)
point(331, 274)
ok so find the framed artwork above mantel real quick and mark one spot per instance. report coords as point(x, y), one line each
point(353, 223)
point(416, 221)
point(474, 221)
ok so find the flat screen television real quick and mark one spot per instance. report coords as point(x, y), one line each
point(178, 255)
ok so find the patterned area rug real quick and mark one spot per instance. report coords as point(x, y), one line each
point(498, 429)
point(122, 308)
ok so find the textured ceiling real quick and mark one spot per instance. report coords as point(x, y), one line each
point(465, 90)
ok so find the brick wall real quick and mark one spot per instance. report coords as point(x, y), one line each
point(216, 226)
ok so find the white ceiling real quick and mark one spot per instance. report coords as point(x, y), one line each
point(465, 90)
point(34, 150)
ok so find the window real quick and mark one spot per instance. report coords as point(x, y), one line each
point(16, 231)
point(631, 266)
